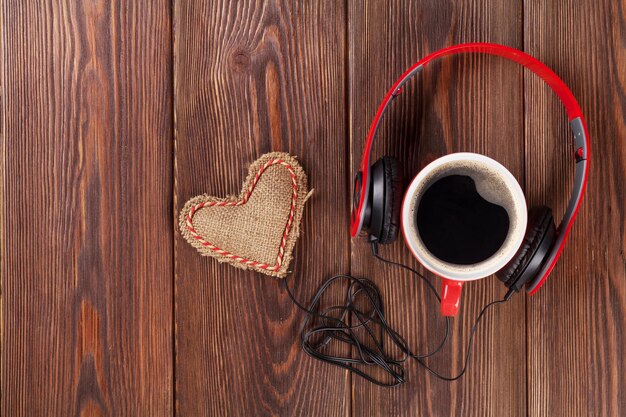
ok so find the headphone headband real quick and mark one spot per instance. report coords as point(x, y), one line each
point(577, 123)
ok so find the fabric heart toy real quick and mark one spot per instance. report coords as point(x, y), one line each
point(258, 229)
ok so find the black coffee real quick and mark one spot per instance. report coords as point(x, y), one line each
point(457, 225)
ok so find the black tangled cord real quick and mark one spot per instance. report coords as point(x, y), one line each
point(364, 329)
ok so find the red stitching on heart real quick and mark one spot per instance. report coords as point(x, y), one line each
point(245, 198)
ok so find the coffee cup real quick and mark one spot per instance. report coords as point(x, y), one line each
point(463, 218)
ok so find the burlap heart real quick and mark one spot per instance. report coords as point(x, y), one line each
point(258, 229)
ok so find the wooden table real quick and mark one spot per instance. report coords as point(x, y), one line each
point(115, 113)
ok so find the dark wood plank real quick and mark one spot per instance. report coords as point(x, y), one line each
point(253, 77)
point(470, 103)
point(576, 322)
point(87, 244)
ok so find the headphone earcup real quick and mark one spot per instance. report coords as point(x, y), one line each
point(540, 235)
point(393, 200)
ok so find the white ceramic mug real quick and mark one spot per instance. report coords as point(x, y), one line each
point(495, 184)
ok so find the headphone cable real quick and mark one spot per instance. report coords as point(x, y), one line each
point(358, 328)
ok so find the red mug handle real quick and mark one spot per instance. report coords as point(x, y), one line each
point(450, 296)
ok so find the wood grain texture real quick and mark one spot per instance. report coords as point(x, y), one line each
point(576, 322)
point(253, 77)
point(471, 103)
point(92, 177)
point(87, 243)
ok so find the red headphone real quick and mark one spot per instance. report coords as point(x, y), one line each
point(377, 188)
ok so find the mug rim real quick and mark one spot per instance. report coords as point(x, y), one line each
point(488, 266)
